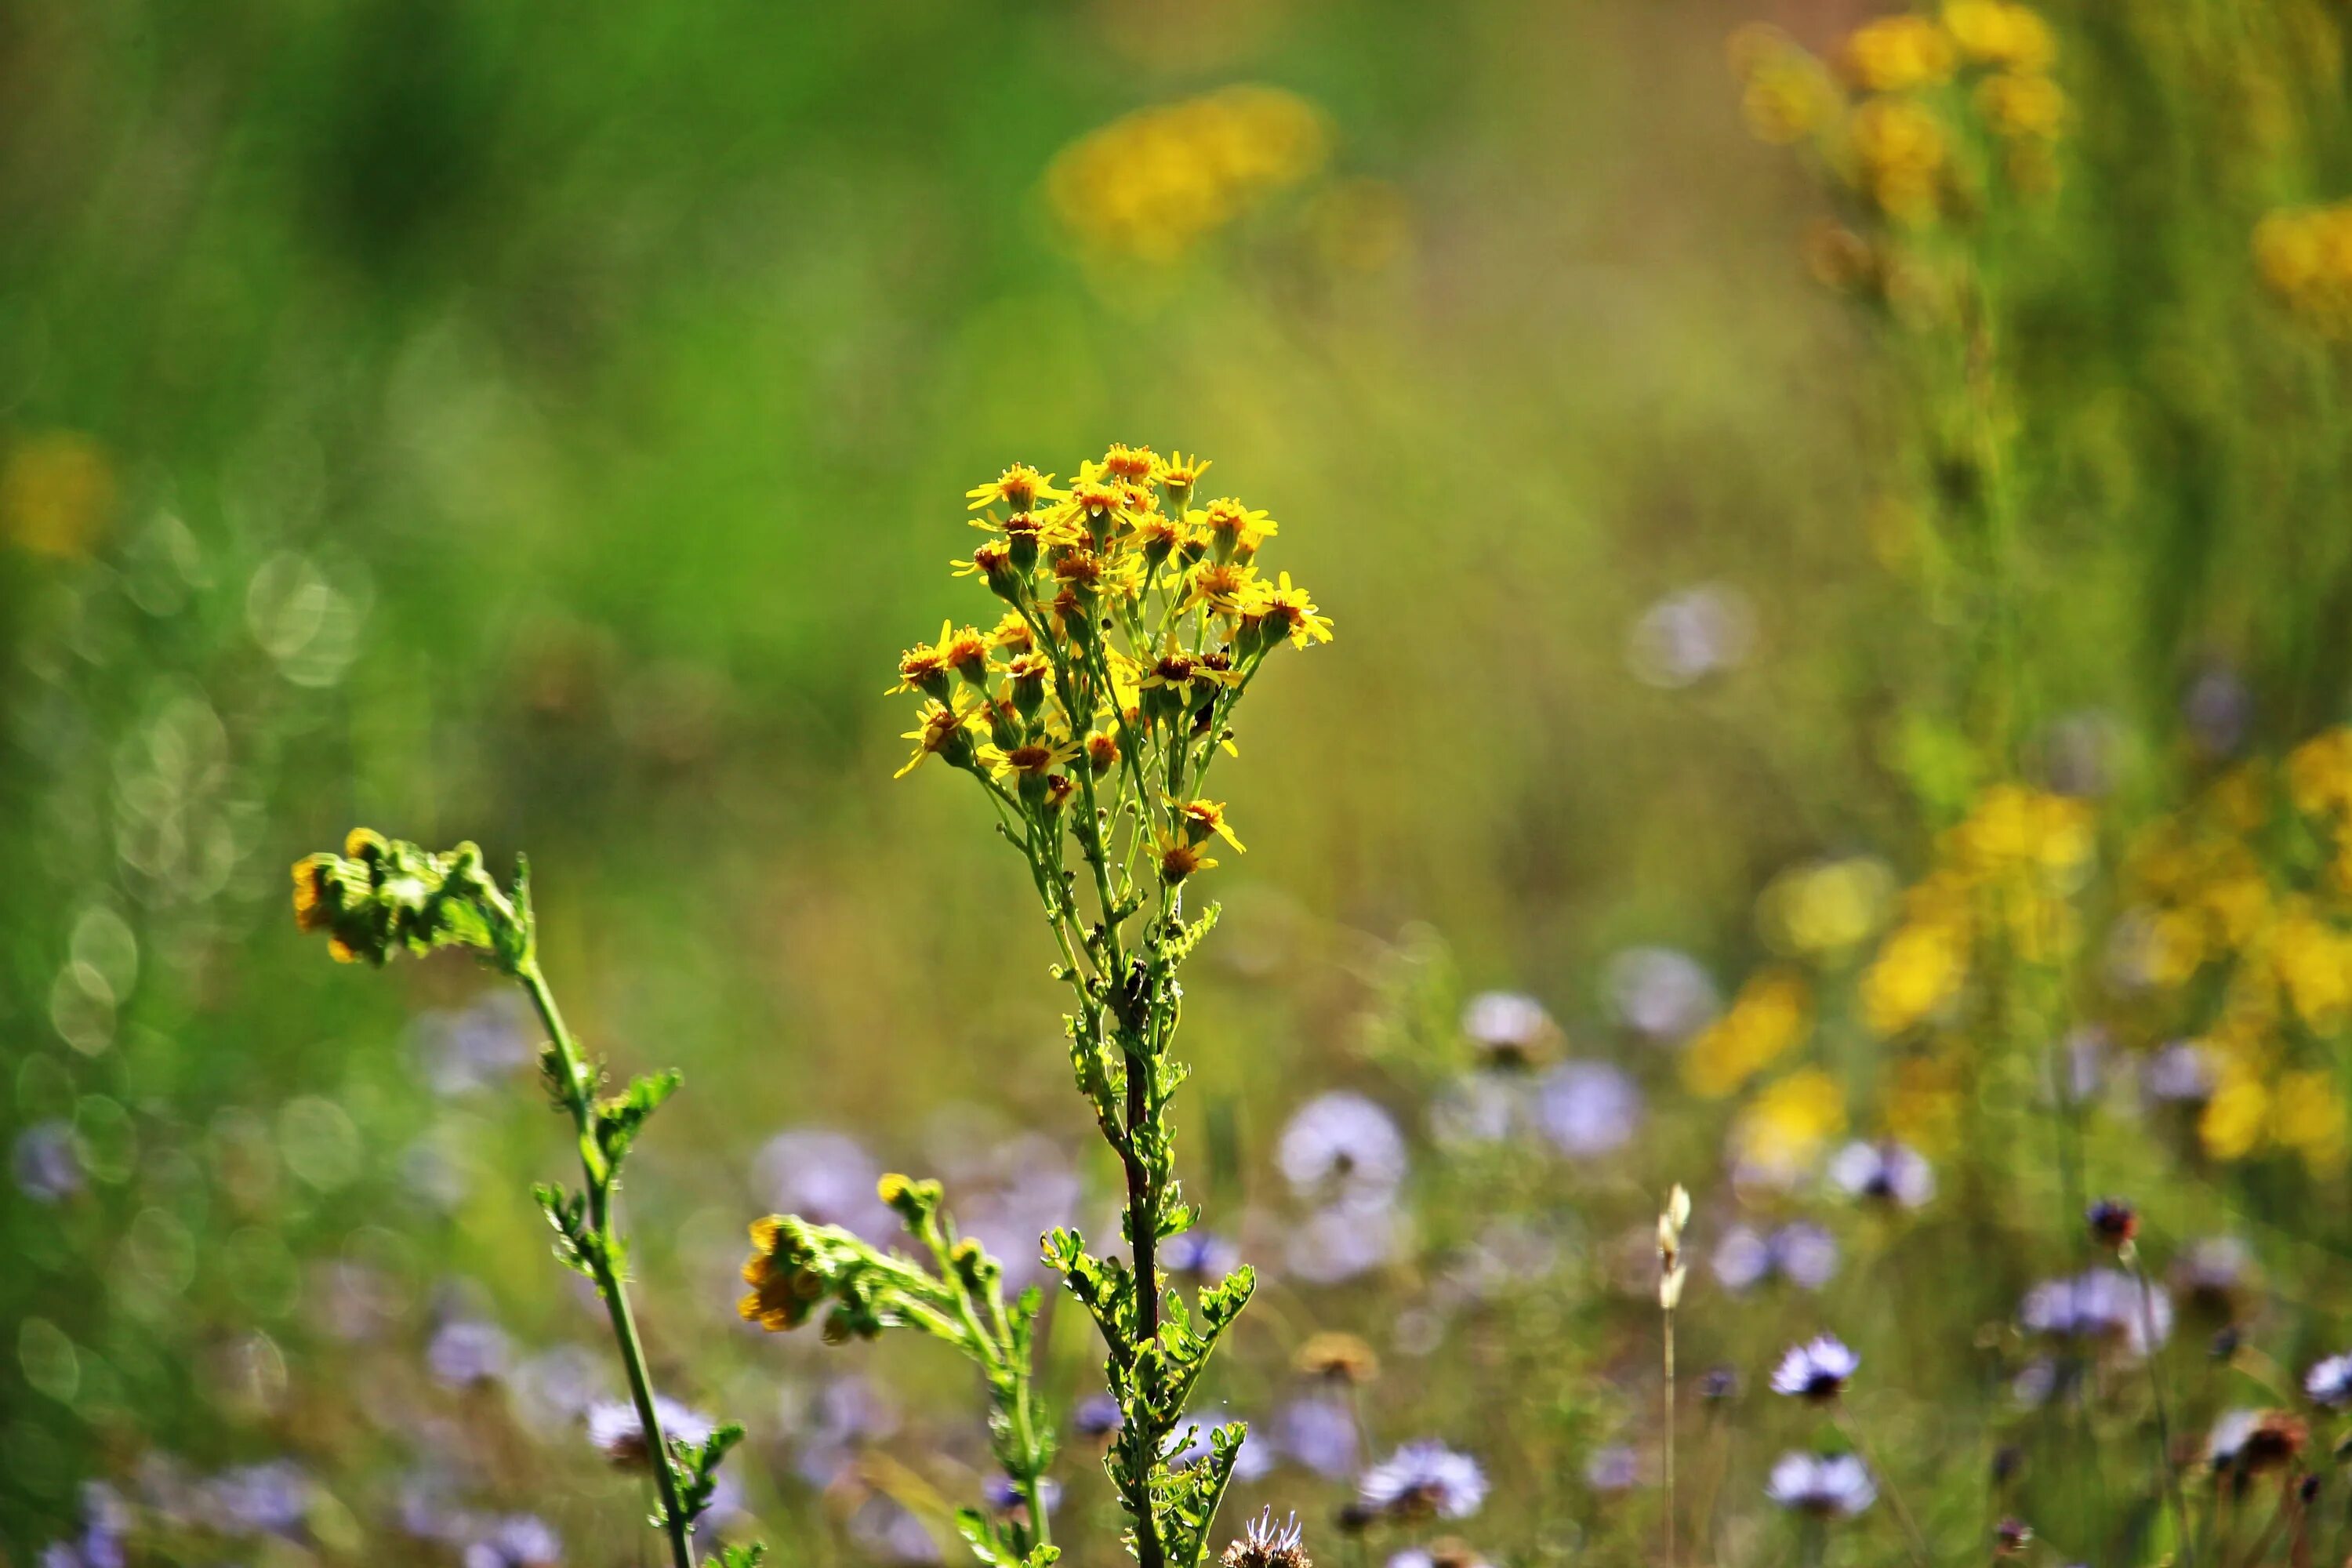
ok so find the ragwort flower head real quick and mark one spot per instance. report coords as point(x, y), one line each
point(1423, 1480)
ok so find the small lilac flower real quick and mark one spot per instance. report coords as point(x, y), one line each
point(1478, 1107)
point(1588, 1109)
point(2102, 1307)
point(1319, 1434)
point(1818, 1369)
point(464, 1354)
point(1799, 1252)
point(2212, 1270)
point(1190, 1444)
point(1510, 1030)
point(615, 1430)
point(889, 1533)
point(2179, 1073)
point(1097, 1416)
point(1350, 1238)
point(1661, 994)
point(1615, 1468)
point(45, 1164)
point(425, 1507)
point(1689, 635)
point(1198, 1255)
point(1827, 1486)
point(1719, 1384)
point(1805, 1255)
point(2329, 1381)
point(1887, 1173)
point(1444, 1554)
point(1342, 1139)
point(2220, 710)
point(825, 1177)
point(1004, 1494)
point(556, 1387)
point(270, 1499)
point(518, 1540)
point(1423, 1479)
point(473, 1048)
point(2228, 1437)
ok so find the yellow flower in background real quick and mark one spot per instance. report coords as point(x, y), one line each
point(2319, 774)
point(1897, 53)
point(1898, 149)
point(2310, 1120)
point(1153, 184)
point(1782, 1133)
point(2314, 962)
point(2232, 1123)
point(2303, 256)
point(1923, 1107)
point(56, 493)
point(1786, 93)
point(1826, 908)
point(1918, 971)
point(1992, 33)
point(2012, 829)
point(2022, 104)
point(1772, 1013)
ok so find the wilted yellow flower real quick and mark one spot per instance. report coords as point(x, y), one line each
point(1771, 1014)
point(56, 493)
point(1895, 54)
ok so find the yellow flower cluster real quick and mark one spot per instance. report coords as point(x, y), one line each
point(2305, 258)
point(1134, 620)
point(1153, 184)
point(1783, 1132)
point(2004, 873)
point(2237, 931)
point(1921, 86)
point(1772, 1014)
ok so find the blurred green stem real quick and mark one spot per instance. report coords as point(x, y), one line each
point(579, 1093)
point(1852, 1430)
point(2166, 1469)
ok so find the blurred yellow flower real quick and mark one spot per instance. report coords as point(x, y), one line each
point(2310, 1120)
point(1895, 54)
point(2018, 104)
point(1151, 185)
point(2233, 1120)
point(1786, 93)
point(2305, 258)
point(1827, 907)
point(1783, 1132)
point(1992, 33)
point(1898, 149)
point(1918, 971)
point(1771, 1014)
point(56, 493)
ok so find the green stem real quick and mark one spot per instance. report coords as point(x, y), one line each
point(2165, 1466)
point(579, 1089)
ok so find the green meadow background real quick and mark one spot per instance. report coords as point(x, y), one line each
point(545, 426)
